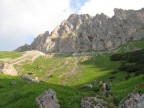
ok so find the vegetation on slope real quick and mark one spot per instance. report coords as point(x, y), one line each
point(66, 74)
point(23, 93)
point(9, 54)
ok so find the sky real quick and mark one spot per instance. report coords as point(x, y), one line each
point(22, 20)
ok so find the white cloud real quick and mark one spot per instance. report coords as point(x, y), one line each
point(106, 6)
point(23, 18)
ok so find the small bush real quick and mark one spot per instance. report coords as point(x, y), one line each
point(123, 67)
point(133, 59)
point(115, 101)
point(116, 57)
point(51, 75)
point(96, 89)
point(112, 77)
point(1, 86)
point(114, 72)
point(141, 61)
point(132, 68)
point(127, 76)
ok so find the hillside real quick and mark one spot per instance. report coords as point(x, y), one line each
point(10, 59)
point(67, 72)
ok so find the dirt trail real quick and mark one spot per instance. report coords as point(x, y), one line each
point(75, 70)
point(9, 63)
point(60, 66)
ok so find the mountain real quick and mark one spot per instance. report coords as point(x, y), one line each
point(84, 32)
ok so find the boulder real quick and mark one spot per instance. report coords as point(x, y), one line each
point(133, 100)
point(47, 100)
point(27, 77)
point(36, 79)
point(93, 102)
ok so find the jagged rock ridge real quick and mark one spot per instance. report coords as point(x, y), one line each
point(99, 33)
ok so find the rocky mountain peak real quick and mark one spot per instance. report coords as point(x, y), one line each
point(99, 33)
point(76, 17)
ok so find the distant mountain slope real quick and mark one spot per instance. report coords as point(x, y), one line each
point(84, 32)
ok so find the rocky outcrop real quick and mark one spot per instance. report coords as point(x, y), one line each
point(8, 69)
point(133, 100)
point(47, 100)
point(39, 42)
point(93, 102)
point(26, 47)
point(27, 77)
point(100, 33)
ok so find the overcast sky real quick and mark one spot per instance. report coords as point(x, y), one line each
point(22, 20)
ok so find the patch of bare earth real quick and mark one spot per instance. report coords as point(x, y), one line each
point(28, 56)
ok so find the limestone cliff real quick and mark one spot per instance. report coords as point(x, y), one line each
point(85, 32)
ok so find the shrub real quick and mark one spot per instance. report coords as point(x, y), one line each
point(115, 101)
point(136, 73)
point(112, 77)
point(123, 67)
point(116, 57)
point(133, 59)
point(114, 72)
point(127, 76)
point(96, 88)
point(132, 68)
point(141, 61)
point(51, 75)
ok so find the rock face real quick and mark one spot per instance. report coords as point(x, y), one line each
point(26, 47)
point(39, 42)
point(133, 100)
point(93, 102)
point(84, 32)
point(47, 100)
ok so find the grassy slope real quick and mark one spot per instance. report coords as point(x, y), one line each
point(9, 54)
point(23, 94)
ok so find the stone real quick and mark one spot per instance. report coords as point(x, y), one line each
point(80, 33)
point(36, 79)
point(47, 100)
point(86, 86)
point(133, 100)
point(27, 77)
point(93, 102)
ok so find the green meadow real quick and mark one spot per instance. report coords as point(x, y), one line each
point(66, 74)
